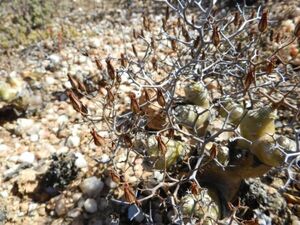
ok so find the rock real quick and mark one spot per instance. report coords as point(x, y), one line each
point(54, 62)
point(95, 42)
point(91, 186)
point(49, 80)
point(80, 161)
point(269, 202)
point(23, 125)
point(60, 207)
point(73, 141)
point(104, 158)
point(90, 205)
point(74, 213)
point(34, 137)
point(4, 148)
point(27, 157)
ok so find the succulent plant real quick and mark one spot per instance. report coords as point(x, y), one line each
point(236, 110)
point(196, 94)
point(258, 122)
point(204, 205)
point(267, 152)
point(174, 151)
point(191, 116)
point(267, 149)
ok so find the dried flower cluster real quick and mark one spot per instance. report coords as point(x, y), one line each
point(192, 104)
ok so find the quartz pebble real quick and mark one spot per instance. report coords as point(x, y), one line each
point(73, 141)
point(3, 148)
point(27, 157)
point(104, 158)
point(60, 207)
point(90, 205)
point(80, 161)
point(91, 186)
point(95, 43)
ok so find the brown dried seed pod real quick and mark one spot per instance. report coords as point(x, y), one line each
point(195, 190)
point(197, 41)
point(269, 67)
point(160, 98)
point(236, 18)
point(164, 24)
point(81, 86)
point(98, 140)
point(135, 108)
point(178, 22)
point(154, 63)
point(110, 97)
point(134, 34)
point(161, 145)
point(297, 30)
point(213, 152)
point(167, 15)
point(250, 78)
point(127, 140)
point(73, 82)
point(110, 69)
point(263, 23)
point(153, 43)
point(129, 194)
point(215, 36)
point(185, 34)
point(76, 103)
point(124, 62)
point(134, 50)
point(174, 45)
point(142, 33)
point(99, 64)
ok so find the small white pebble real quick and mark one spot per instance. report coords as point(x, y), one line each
point(95, 42)
point(91, 186)
point(50, 80)
point(80, 161)
point(63, 119)
point(3, 148)
point(34, 137)
point(27, 157)
point(4, 194)
point(73, 141)
point(90, 205)
point(104, 158)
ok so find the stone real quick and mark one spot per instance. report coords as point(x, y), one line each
point(3, 148)
point(80, 161)
point(91, 186)
point(90, 205)
point(74, 213)
point(23, 125)
point(60, 207)
point(95, 42)
point(104, 158)
point(27, 157)
point(73, 141)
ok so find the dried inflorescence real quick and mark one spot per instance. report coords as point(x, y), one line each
point(201, 79)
